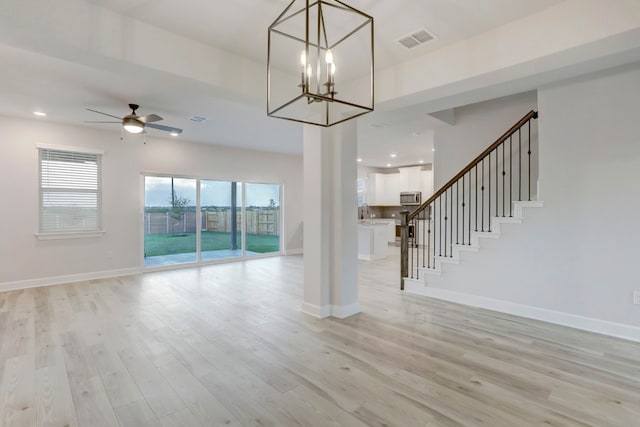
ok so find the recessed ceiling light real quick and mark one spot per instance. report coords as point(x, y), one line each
point(433, 149)
point(359, 159)
point(174, 134)
point(421, 161)
point(40, 113)
point(394, 155)
point(388, 165)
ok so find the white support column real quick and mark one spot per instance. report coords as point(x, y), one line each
point(330, 221)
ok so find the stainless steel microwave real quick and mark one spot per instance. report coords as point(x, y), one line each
point(410, 198)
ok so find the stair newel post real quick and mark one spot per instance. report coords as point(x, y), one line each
point(404, 247)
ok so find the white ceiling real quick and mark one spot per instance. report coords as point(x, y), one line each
point(33, 81)
point(240, 25)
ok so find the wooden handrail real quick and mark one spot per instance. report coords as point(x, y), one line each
point(530, 115)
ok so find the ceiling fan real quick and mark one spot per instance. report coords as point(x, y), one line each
point(133, 123)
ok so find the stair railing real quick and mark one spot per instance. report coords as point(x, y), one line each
point(464, 204)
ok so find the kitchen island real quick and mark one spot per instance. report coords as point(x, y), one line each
point(372, 240)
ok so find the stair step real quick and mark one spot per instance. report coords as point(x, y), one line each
point(518, 206)
point(466, 248)
point(422, 272)
point(530, 203)
point(507, 220)
point(429, 271)
point(448, 260)
point(486, 234)
point(413, 284)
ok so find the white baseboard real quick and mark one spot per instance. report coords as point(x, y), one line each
point(605, 327)
point(289, 252)
point(58, 280)
point(339, 311)
point(315, 310)
point(344, 311)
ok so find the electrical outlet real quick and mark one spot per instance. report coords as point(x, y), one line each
point(636, 297)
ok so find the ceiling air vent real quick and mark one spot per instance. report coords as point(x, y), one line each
point(416, 38)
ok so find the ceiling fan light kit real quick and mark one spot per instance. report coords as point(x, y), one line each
point(135, 124)
point(132, 125)
point(320, 63)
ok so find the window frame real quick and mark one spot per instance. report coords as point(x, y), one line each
point(70, 234)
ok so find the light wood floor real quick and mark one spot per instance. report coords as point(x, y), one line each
point(226, 345)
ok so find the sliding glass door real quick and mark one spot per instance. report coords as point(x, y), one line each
point(170, 221)
point(221, 235)
point(263, 218)
point(189, 220)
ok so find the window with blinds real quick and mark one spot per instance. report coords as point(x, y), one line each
point(70, 191)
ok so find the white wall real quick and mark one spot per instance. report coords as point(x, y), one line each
point(24, 257)
point(476, 127)
point(579, 254)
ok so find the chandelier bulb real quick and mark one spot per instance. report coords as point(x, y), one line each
point(328, 57)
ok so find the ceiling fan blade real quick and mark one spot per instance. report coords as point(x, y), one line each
point(105, 114)
point(150, 118)
point(164, 128)
point(102, 122)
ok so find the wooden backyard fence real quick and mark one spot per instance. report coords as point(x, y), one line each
point(259, 221)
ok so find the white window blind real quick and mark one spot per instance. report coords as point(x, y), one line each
point(70, 191)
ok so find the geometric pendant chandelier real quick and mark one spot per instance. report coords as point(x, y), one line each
point(320, 63)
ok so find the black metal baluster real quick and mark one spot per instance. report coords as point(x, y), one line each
point(416, 230)
point(433, 258)
point(504, 189)
point(476, 197)
point(429, 239)
point(451, 225)
point(482, 188)
point(489, 200)
point(457, 216)
point(463, 223)
point(510, 175)
point(520, 164)
point(529, 152)
point(469, 207)
point(497, 186)
point(423, 235)
point(446, 221)
point(410, 225)
point(440, 229)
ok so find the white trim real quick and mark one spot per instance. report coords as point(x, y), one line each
point(58, 280)
point(614, 329)
point(316, 310)
point(344, 311)
point(339, 311)
point(169, 267)
point(70, 235)
point(68, 148)
point(290, 252)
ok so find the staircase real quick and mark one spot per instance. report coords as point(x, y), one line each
point(491, 191)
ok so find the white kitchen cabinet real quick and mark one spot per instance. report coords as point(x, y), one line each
point(375, 184)
point(372, 241)
point(411, 179)
point(426, 184)
point(391, 227)
point(383, 189)
point(392, 190)
point(391, 231)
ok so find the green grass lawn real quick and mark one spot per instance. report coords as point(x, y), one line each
point(171, 244)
